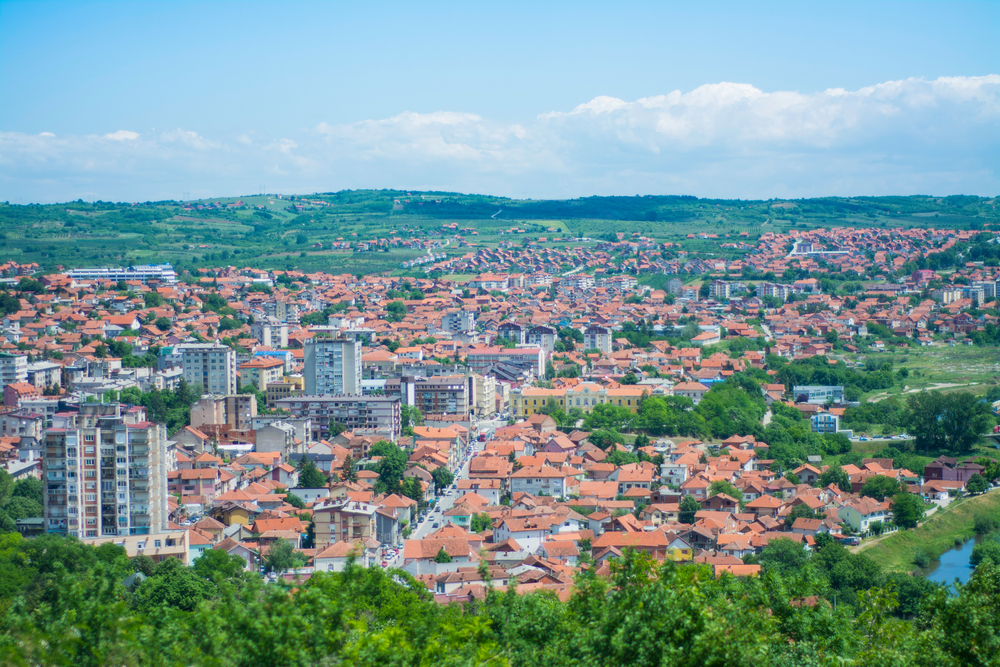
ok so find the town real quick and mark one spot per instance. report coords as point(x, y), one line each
point(514, 426)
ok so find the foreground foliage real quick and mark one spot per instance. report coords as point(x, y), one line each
point(64, 603)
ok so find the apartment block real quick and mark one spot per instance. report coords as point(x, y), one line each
point(13, 369)
point(236, 410)
point(332, 365)
point(106, 474)
point(366, 415)
point(596, 337)
point(209, 366)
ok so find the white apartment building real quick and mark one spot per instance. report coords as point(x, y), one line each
point(13, 368)
point(332, 366)
point(597, 338)
point(209, 366)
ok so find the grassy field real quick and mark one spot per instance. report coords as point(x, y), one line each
point(944, 368)
point(935, 536)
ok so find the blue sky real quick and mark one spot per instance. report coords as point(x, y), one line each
point(148, 100)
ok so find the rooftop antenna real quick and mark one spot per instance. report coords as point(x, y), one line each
point(187, 196)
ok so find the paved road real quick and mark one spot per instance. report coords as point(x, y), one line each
point(444, 502)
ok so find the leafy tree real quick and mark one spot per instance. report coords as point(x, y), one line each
point(19, 507)
point(390, 467)
point(988, 550)
point(881, 486)
point(295, 501)
point(605, 438)
point(443, 477)
point(282, 557)
point(976, 484)
point(442, 556)
point(907, 510)
point(173, 586)
point(945, 422)
point(481, 522)
point(783, 555)
point(835, 475)
point(630, 378)
point(311, 477)
point(395, 311)
point(348, 470)
point(689, 506)
point(217, 565)
point(800, 511)
point(620, 458)
point(336, 428)
point(722, 486)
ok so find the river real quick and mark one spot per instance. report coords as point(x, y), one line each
point(954, 563)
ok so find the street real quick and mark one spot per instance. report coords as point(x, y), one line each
point(434, 515)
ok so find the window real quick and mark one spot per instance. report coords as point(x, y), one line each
point(156, 544)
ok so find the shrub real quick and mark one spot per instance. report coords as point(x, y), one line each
point(922, 559)
point(984, 524)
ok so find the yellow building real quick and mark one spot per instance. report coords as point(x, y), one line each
point(529, 400)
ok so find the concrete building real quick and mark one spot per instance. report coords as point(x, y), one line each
point(825, 423)
point(106, 474)
point(459, 321)
point(511, 331)
point(44, 374)
point(261, 372)
point(332, 365)
point(163, 273)
point(270, 331)
point(525, 359)
point(279, 390)
point(343, 521)
point(596, 337)
point(13, 368)
point(236, 410)
point(442, 395)
point(818, 395)
point(366, 415)
point(209, 366)
point(542, 336)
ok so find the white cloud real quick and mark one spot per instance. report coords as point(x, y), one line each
point(46, 134)
point(122, 135)
point(721, 140)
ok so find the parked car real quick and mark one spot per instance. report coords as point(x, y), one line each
point(436, 525)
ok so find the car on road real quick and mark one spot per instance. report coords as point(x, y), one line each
point(436, 525)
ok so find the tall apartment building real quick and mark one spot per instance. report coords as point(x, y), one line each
point(442, 395)
point(596, 337)
point(13, 369)
point(332, 365)
point(209, 366)
point(105, 474)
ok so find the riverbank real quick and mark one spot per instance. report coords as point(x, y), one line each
point(935, 536)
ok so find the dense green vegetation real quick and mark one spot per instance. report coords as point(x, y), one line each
point(65, 603)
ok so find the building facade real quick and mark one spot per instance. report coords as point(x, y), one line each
point(105, 475)
point(209, 366)
point(332, 365)
point(366, 415)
